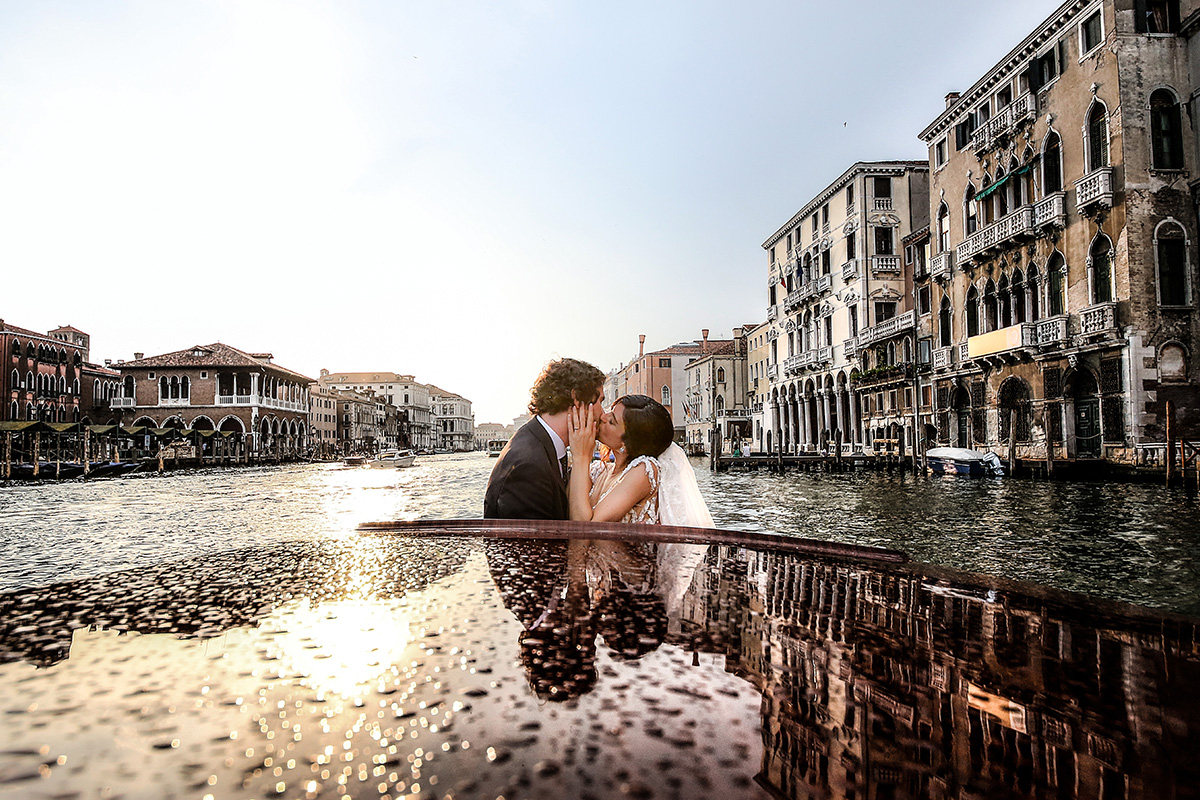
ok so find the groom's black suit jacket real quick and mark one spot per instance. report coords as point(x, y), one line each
point(527, 482)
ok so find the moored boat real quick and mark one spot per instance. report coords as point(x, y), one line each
point(354, 461)
point(393, 459)
point(495, 447)
point(963, 461)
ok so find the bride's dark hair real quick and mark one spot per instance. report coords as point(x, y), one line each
point(648, 426)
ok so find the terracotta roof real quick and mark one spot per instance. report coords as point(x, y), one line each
point(70, 328)
point(25, 331)
point(209, 355)
point(433, 390)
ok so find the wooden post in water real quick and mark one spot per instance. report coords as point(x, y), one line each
point(1170, 411)
point(37, 453)
point(8, 456)
point(1049, 451)
point(87, 454)
point(1012, 441)
point(837, 439)
point(900, 446)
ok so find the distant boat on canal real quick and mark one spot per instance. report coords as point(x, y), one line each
point(495, 447)
point(393, 459)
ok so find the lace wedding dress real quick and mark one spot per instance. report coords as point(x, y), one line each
point(674, 499)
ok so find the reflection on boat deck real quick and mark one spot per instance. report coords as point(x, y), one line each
point(561, 664)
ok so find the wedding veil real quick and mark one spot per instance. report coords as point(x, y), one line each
point(679, 498)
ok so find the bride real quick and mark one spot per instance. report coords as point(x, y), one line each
point(649, 479)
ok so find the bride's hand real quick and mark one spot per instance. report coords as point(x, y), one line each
point(582, 435)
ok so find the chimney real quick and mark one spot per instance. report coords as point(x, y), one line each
point(641, 344)
point(704, 346)
point(952, 98)
point(737, 333)
point(108, 362)
point(138, 356)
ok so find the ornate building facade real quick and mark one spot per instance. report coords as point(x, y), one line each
point(839, 306)
point(1063, 241)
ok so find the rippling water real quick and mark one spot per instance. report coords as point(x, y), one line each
point(1133, 542)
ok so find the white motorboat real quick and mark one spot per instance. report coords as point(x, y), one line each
point(393, 459)
point(962, 461)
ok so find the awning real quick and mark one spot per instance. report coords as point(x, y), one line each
point(29, 426)
point(985, 192)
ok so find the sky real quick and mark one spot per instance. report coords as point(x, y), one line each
point(460, 191)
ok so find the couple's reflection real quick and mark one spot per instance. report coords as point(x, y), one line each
point(570, 595)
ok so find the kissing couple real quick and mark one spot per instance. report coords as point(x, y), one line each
point(642, 476)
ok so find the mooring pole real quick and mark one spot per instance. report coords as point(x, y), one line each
point(1170, 412)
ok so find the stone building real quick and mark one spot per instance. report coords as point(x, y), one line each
point(659, 374)
point(1063, 240)
point(839, 307)
point(453, 421)
point(717, 396)
point(758, 359)
point(42, 377)
point(323, 420)
point(216, 387)
point(409, 396)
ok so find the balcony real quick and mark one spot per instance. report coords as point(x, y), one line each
point(943, 357)
point(883, 203)
point(174, 401)
point(1016, 226)
point(772, 372)
point(123, 402)
point(822, 355)
point(1101, 318)
point(793, 299)
point(1050, 211)
point(850, 270)
point(1005, 123)
point(772, 313)
point(733, 413)
point(793, 364)
point(1052, 331)
point(850, 348)
point(884, 264)
point(962, 353)
point(942, 265)
point(1094, 189)
point(234, 400)
point(887, 328)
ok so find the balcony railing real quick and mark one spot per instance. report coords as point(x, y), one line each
point(882, 264)
point(772, 313)
point(793, 298)
point(942, 265)
point(823, 355)
point(887, 328)
point(174, 401)
point(1004, 123)
point(1050, 210)
point(1052, 330)
point(883, 203)
point(772, 372)
point(733, 413)
point(850, 347)
point(123, 402)
point(1095, 188)
point(962, 353)
point(794, 364)
point(943, 357)
point(850, 270)
point(1017, 225)
point(1099, 318)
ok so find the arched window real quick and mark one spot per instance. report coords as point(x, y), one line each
point(1001, 195)
point(128, 384)
point(971, 210)
point(666, 395)
point(16, 351)
point(943, 228)
point(1166, 131)
point(29, 384)
point(1018, 297)
point(945, 314)
point(1015, 187)
point(720, 374)
point(185, 390)
point(164, 388)
point(720, 404)
point(1004, 303)
point(1100, 257)
point(1097, 137)
point(14, 410)
point(1033, 294)
point(973, 312)
point(908, 351)
point(1170, 249)
point(990, 317)
point(1056, 299)
point(15, 381)
point(1052, 180)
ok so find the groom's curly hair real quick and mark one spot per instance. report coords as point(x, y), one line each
point(563, 382)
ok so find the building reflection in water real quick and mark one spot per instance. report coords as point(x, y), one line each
point(876, 680)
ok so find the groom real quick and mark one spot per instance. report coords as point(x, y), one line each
point(529, 480)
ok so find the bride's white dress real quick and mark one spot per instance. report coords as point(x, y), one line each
point(674, 499)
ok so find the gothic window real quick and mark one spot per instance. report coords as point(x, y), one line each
point(943, 228)
point(971, 210)
point(666, 395)
point(1166, 131)
point(1102, 270)
point(1015, 187)
point(1004, 303)
point(1170, 248)
point(720, 374)
point(1097, 137)
point(1001, 195)
point(16, 351)
point(990, 319)
point(15, 379)
point(1033, 288)
point(1056, 299)
point(128, 384)
point(1052, 180)
point(972, 312)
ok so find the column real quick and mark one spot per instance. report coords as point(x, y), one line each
point(775, 442)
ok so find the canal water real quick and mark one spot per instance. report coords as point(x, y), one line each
point(1132, 542)
point(231, 634)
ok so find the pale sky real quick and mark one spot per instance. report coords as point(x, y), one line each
point(456, 190)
